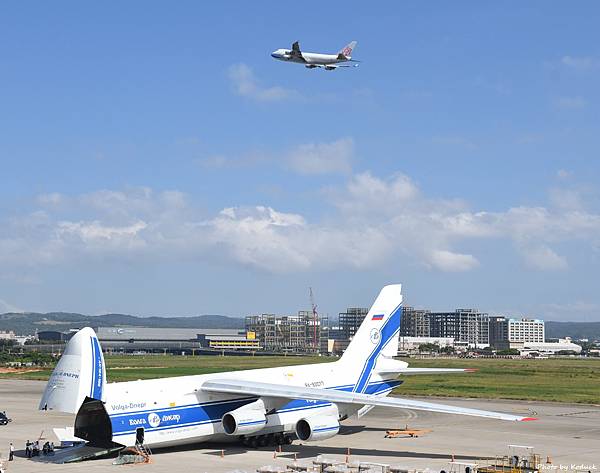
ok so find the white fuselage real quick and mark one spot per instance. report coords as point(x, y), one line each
point(308, 58)
point(175, 411)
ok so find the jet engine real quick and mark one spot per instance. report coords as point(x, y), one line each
point(319, 426)
point(245, 420)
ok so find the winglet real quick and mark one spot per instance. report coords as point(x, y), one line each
point(471, 370)
point(527, 419)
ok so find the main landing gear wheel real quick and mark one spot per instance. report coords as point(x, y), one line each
point(274, 440)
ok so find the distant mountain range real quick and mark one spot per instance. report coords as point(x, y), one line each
point(27, 323)
point(590, 330)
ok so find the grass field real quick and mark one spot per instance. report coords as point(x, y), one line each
point(563, 380)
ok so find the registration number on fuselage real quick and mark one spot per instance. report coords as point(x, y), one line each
point(314, 384)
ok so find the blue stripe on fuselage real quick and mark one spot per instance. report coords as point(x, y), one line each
point(93, 367)
point(97, 380)
point(196, 414)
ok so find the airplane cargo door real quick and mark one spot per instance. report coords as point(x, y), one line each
point(93, 424)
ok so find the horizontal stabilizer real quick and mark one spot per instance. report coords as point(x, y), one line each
point(435, 370)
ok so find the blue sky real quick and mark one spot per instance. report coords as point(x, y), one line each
point(156, 160)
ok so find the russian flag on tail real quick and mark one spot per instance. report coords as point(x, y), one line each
point(377, 317)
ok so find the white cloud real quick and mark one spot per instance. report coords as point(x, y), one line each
point(544, 258)
point(53, 198)
point(371, 222)
point(323, 158)
point(247, 85)
point(563, 174)
point(333, 157)
point(570, 103)
point(96, 234)
point(283, 242)
point(366, 196)
point(452, 262)
point(581, 63)
point(566, 198)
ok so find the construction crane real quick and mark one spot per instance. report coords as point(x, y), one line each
point(314, 319)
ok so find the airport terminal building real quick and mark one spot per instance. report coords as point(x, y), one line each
point(184, 338)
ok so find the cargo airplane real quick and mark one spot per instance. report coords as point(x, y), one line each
point(312, 60)
point(257, 407)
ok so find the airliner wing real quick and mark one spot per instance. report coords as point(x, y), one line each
point(295, 52)
point(335, 66)
point(254, 388)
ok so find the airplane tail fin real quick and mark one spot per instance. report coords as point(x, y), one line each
point(377, 336)
point(346, 51)
point(79, 373)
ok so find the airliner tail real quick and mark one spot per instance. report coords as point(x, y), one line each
point(346, 51)
point(378, 334)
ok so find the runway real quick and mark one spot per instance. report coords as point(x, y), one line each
point(569, 434)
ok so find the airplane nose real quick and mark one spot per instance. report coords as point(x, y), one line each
point(275, 55)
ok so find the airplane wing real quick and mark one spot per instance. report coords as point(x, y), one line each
point(331, 67)
point(255, 388)
point(295, 52)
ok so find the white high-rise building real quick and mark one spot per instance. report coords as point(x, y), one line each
point(526, 330)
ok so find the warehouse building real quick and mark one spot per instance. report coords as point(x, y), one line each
point(559, 347)
point(184, 338)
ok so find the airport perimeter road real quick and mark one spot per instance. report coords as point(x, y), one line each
point(568, 434)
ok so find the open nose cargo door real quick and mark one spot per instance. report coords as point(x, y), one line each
point(79, 373)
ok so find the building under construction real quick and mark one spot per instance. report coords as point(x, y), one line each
point(303, 332)
point(415, 322)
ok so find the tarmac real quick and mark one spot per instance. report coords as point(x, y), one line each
point(569, 434)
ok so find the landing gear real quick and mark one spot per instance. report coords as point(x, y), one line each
point(274, 440)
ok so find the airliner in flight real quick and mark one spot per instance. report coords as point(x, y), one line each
point(312, 60)
point(257, 407)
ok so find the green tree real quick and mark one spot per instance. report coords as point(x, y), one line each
point(429, 347)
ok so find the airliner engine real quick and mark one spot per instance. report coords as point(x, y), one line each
point(319, 427)
point(246, 419)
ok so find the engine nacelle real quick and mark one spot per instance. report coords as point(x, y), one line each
point(318, 427)
point(245, 420)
